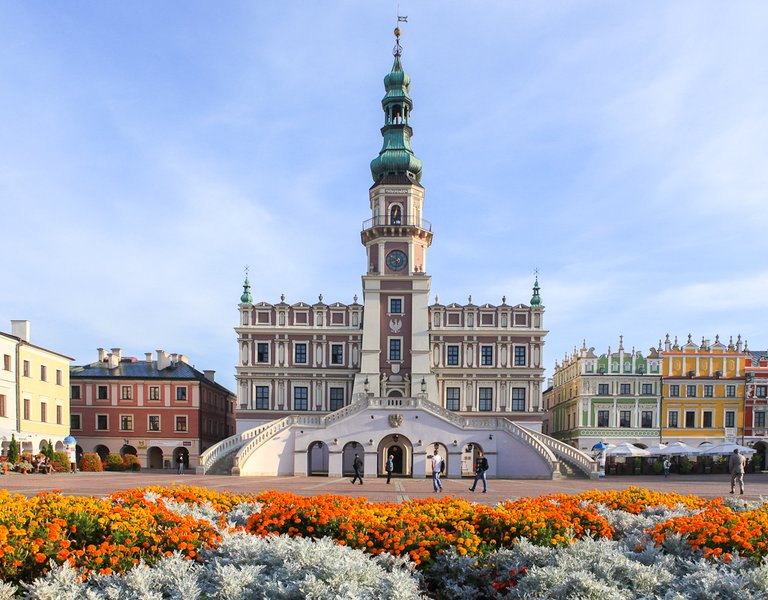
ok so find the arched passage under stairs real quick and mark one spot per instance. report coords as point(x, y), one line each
point(348, 457)
point(317, 459)
point(469, 458)
point(440, 448)
point(401, 449)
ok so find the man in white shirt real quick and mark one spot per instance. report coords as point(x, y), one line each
point(437, 462)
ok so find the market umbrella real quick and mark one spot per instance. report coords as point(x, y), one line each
point(656, 450)
point(600, 446)
point(728, 448)
point(679, 449)
point(627, 449)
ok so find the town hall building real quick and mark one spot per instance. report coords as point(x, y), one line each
point(392, 373)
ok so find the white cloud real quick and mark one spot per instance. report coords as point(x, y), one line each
point(619, 148)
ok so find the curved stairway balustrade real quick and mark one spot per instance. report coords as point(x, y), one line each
point(579, 459)
point(266, 432)
point(527, 436)
point(249, 441)
point(226, 446)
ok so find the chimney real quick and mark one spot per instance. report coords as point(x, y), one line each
point(102, 354)
point(184, 358)
point(163, 360)
point(20, 328)
point(210, 374)
point(113, 359)
point(117, 352)
point(148, 357)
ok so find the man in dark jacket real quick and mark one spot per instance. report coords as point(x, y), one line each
point(481, 466)
point(357, 465)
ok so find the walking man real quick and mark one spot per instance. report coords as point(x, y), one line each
point(390, 466)
point(481, 466)
point(437, 462)
point(736, 464)
point(357, 465)
point(667, 466)
point(180, 461)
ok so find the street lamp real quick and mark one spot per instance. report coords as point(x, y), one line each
point(423, 385)
point(366, 384)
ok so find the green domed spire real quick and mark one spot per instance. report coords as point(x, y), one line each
point(536, 299)
point(246, 298)
point(396, 156)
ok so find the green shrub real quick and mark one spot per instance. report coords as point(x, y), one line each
point(90, 462)
point(60, 462)
point(114, 462)
point(131, 462)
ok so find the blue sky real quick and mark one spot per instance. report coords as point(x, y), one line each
point(150, 150)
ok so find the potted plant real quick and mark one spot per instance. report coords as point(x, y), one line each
point(5, 465)
point(24, 466)
point(686, 466)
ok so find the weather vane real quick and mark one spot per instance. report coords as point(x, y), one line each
point(246, 270)
point(536, 272)
point(398, 50)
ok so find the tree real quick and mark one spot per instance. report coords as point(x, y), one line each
point(13, 450)
point(47, 450)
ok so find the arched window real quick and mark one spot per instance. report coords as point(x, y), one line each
point(395, 214)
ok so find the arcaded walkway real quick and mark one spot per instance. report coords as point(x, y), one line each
point(374, 488)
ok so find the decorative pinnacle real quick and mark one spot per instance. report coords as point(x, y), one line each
point(398, 49)
point(246, 297)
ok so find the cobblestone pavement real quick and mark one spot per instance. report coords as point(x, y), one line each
point(99, 484)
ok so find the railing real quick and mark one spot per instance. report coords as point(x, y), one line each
point(528, 436)
point(388, 221)
point(261, 435)
point(360, 402)
point(215, 452)
point(580, 459)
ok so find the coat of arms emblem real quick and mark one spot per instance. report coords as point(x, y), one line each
point(395, 420)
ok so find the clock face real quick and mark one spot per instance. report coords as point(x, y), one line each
point(396, 260)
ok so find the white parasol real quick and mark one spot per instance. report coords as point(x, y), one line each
point(627, 449)
point(679, 449)
point(728, 448)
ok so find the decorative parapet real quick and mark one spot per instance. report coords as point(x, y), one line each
point(622, 432)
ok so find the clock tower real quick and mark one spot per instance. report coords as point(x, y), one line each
point(395, 353)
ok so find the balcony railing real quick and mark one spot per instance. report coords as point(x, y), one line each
point(388, 221)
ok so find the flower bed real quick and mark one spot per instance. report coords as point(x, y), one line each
point(201, 543)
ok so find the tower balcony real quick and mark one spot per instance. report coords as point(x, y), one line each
point(386, 226)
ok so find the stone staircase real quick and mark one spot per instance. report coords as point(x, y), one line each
point(223, 464)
